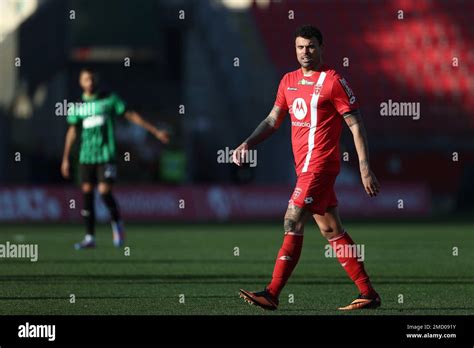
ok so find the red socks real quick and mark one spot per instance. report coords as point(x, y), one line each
point(354, 268)
point(287, 259)
point(289, 255)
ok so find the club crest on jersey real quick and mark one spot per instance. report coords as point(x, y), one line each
point(296, 193)
point(299, 108)
point(305, 82)
point(317, 89)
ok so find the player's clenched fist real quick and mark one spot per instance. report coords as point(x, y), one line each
point(240, 153)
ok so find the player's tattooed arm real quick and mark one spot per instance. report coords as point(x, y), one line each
point(356, 125)
point(267, 127)
point(70, 138)
point(264, 130)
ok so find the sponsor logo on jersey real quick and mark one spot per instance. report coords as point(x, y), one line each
point(292, 89)
point(305, 82)
point(299, 108)
point(93, 121)
point(348, 90)
point(301, 124)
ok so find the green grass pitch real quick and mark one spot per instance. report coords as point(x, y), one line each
point(414, 260)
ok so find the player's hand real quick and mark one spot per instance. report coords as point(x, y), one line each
point(370, 182)
point(240, 153)
point(65, 169)
point(162, 136)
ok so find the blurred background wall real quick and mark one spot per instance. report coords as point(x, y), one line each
point(209, 71)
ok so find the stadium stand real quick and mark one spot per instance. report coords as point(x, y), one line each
point(425, 57)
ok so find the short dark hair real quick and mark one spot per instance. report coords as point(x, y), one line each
point(308, 32)
point(89, 70)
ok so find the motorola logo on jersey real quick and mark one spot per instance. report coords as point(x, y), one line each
point(299, 108)
point(300, 124)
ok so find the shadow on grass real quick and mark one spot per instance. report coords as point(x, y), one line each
point(224, 279)
point(128, 261)
point(405, 311)
point(26, 298)
point(80, 297)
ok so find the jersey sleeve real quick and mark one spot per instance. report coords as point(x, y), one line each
point(280, 100)
point(342, 96)
point(119, 105)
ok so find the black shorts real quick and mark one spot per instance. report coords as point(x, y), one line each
point(94, 173)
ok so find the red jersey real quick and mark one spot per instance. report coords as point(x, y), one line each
point(316, 104)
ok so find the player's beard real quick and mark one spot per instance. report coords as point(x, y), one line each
point(310, 63)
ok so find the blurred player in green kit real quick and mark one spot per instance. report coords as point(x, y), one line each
point(94, 118)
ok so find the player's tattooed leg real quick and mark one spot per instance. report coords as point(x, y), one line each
point(295, 219)
point(289, 253)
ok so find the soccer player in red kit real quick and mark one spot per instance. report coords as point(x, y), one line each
point(318, 99)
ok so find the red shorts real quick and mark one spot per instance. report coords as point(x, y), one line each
point(315, 192)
